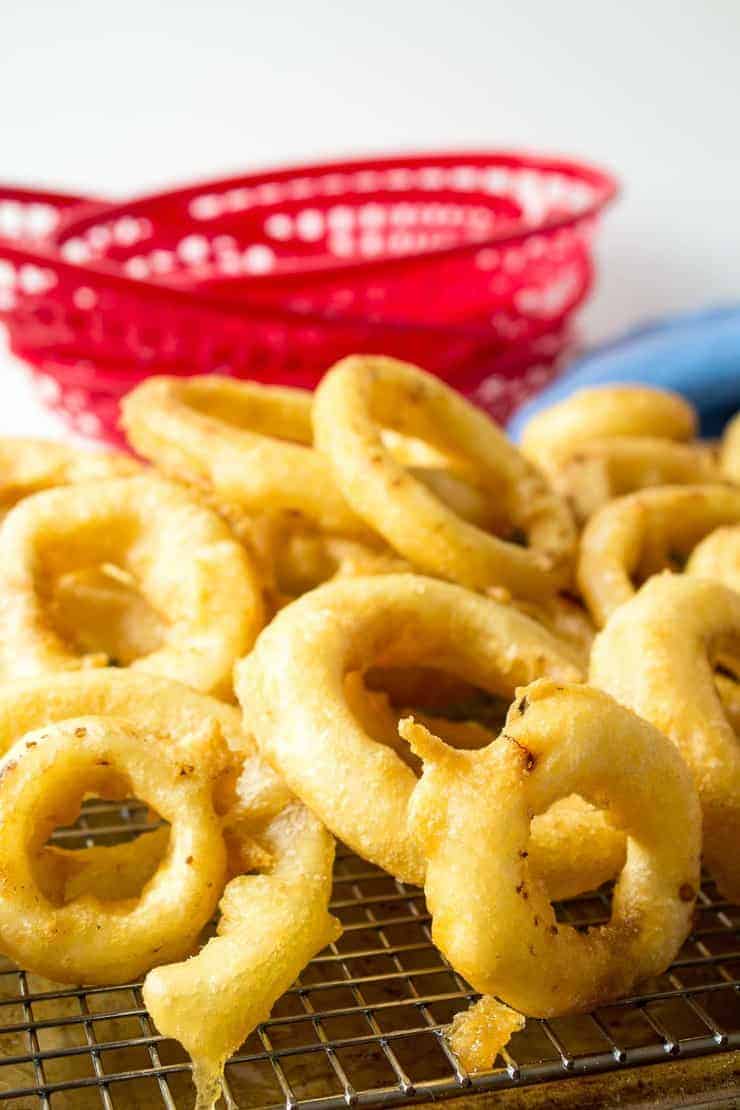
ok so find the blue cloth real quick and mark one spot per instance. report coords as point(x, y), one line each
point(696, 354)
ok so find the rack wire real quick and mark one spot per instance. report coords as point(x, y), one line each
point(365, 1022)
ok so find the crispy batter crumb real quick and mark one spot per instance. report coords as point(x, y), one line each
point(478, 1034)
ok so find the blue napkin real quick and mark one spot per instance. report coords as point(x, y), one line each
point(696, 354)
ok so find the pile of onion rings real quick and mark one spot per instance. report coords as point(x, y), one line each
point(358, 784)
point(403, 605)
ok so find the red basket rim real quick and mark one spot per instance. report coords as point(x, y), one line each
point(110, 276)
point(30, 194)
point(605, 182)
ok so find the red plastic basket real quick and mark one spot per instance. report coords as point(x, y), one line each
point(469, 264)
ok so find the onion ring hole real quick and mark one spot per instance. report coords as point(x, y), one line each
point(101, 609)
point(117, 865)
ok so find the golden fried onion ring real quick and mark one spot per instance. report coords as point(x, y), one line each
point(271, 925)
point(605, 412)
point(297, 704)
point(491, 912)
point(646, 532)
point(361, 395)
point(154, 706)
point(248, 447)
point(656, 656)
point(571, 830)
point(730, 450)
point(263, 827)
point(184, 558)
point(148, 703)
point(718, 557)
point(595, 472)
point(30, 465)
point(42, 781)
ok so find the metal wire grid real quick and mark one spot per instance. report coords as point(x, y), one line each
point(364, 1024)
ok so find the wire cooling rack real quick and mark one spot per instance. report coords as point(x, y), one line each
point(364, 1023)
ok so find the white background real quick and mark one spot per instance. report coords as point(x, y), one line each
point(118, 98)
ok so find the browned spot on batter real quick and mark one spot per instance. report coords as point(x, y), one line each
point(686, 892)
point(80, 732)
point(186, 769)
point(529, 759)
point(189, 859)
point(522, 706)
point(8, 767)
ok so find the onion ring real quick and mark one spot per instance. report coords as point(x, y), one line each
point(361, 395)
point(42, 781)
point(655, 655)
point(571, 830)
point(595, 472)
point(151, 705)
point(358, 786)
point(247, 447)
point(148, 703)
point(730, 450)
point(212, 605)
point(605, 412)
point(491, 913)
point(646, 532)
point(271, 925)
point(30, 465)
point(718, 557)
